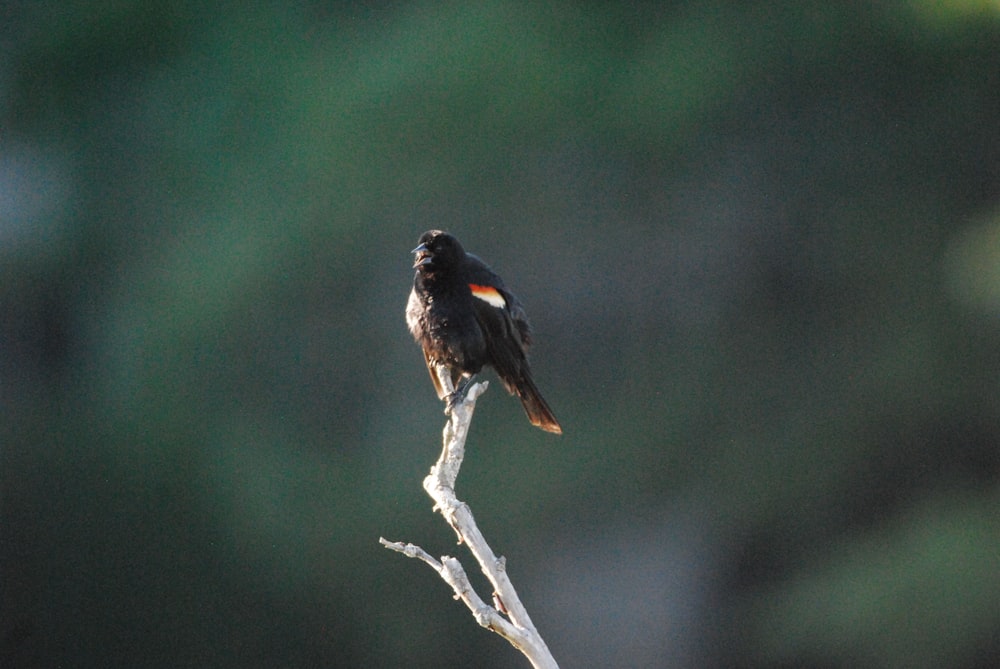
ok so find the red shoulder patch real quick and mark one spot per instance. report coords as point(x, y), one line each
point(488, 294)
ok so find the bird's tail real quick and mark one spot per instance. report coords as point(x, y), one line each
point(535, 406)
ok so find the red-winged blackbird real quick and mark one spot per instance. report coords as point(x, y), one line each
point(464, 317)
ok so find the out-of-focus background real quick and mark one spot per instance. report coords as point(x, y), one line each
point(760, 245)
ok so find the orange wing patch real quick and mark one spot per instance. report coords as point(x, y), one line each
point(488, 294)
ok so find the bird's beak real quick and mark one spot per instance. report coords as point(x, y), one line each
point(423, 256)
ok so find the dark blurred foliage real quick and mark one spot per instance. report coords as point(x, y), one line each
point(760, 243)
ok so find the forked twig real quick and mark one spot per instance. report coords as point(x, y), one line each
point(507, 617)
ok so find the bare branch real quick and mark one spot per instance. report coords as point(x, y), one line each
point(516, 627)
point(412, 551)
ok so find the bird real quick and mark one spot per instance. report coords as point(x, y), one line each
point(465, 318)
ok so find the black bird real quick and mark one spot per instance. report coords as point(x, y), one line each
point(464, 317)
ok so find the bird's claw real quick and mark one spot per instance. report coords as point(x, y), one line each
point(457, 396)
point(453, 400)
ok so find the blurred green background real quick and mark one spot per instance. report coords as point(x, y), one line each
point(760, 245)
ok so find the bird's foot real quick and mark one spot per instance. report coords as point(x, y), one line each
point(456, 397)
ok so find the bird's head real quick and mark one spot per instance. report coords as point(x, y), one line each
point(437, 250)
